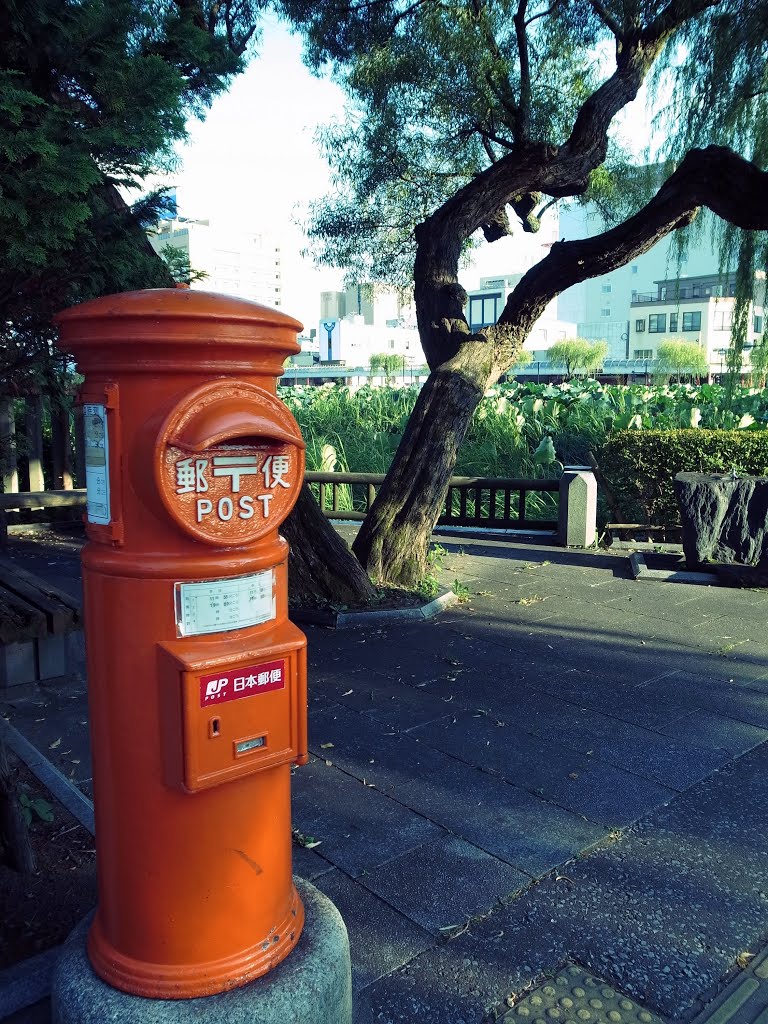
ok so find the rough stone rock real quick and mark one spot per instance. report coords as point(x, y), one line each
point(724, 519)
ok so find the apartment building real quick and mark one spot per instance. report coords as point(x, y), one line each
point(364, 320)
point(242, 263)
point(698, 309)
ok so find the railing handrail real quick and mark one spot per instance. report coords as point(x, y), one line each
point(499, 483)
point(41, 499)
point(73, 498)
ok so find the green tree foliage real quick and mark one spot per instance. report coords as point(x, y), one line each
point(522, 359)
point(680, 359)
point(177, 261)
point(388, 363)
point(578, 354)
point(759, 361)
point(467, 121)
point(93, 95)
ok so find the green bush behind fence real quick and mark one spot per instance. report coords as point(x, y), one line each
point(639, 466)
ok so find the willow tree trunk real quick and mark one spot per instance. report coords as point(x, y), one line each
point(322, 571)
point(393, 541)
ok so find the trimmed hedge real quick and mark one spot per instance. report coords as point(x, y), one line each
point(639, 466)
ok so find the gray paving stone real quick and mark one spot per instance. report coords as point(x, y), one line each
point(309, 864)
point(380, 938)
point(396, 704)
point(55, 721)
point(689, 602)
point(525, 831)
point(465, 981)
point(443, 884)
point(734, 627)
point(674, 764)
point(556, 648)
point(567, 777)
point(663, 913)
point(501, 692)
point(609, 695)
point(730, 699)
point(641, 663)
point(742, 605)
point(402, 651)
point(706, 729)
point(525, 602)
point(358, 827)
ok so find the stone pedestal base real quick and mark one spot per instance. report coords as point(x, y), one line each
point(313, 985)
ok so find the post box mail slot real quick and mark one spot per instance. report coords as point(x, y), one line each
point(230, 462)
point(242, 709)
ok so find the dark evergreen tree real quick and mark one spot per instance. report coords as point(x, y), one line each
point(93, 95)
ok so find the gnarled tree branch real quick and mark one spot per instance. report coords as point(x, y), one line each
point(716, 177)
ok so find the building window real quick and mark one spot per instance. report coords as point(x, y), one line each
point(606, 289)
point(634, 268)
point(723, 320)
point(643, 353)
point(639, 326)
point(758, 325)
point(692, 321)
point(657, 323)
point(673, 321)
point(605, 311)
point(483, 310)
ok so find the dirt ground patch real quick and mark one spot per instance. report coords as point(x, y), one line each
point(40, 910)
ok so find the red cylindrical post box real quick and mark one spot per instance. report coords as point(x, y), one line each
point(197, 679)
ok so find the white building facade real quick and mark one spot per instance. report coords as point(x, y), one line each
point(367, 320)
point(246, 264)
point(695, 309)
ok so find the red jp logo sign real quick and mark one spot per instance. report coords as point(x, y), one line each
point(241, 682)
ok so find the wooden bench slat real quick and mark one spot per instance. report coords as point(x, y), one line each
point(43, 499)
point(59, 617)
point(19, 621)
point(10, 572)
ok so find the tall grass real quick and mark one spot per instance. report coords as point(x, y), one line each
point(364, 427)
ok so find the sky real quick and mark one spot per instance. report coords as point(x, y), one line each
point(253, 163)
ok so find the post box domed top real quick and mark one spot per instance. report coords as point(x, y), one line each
point(162, 327)
point(176, 302)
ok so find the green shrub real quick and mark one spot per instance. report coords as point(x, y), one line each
point(639, 466)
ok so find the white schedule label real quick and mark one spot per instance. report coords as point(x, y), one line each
point(96, 464)
point(215, 606)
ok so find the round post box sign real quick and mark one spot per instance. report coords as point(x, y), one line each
point(229, 463)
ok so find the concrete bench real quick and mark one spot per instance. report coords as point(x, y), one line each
point(40, 628)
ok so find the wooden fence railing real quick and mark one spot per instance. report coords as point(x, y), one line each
point(487, 502)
